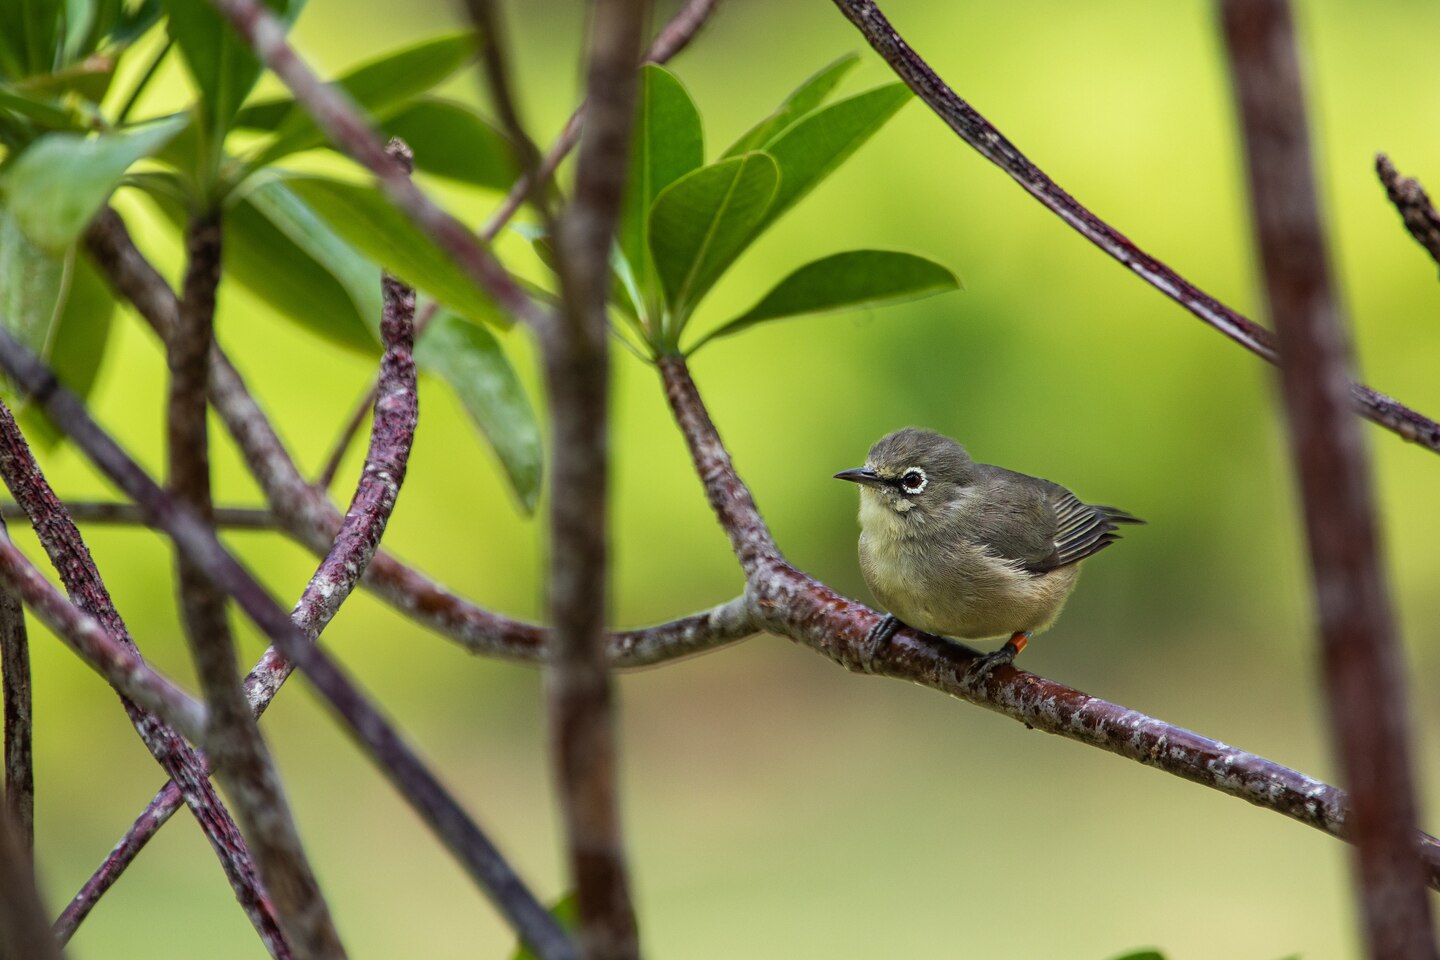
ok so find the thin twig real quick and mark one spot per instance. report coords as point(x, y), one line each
point(197, 541)
point(71, 558)
point(19, 716)
point(1414, 205)
point(991, 144)
point(1360, 651)
point(24, 934)
point(126, 514)
point(336, 114)
point(232, 744)
point(577, 374)
point(671, 39)
point(787, 602)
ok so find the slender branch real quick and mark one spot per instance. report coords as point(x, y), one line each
point(789, 603)
point(1360, 651)
point(120, 665)
point(1414, 205)
point(126, 514)
point(672, 38)
point(23, 931)
point(72, 560)
point(577, 374)
point(198, 543)
point(233, 744)
point(336, 114)
point(348, 432)
point(993, 145)
point(19, 717)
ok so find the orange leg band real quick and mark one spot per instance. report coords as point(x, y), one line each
point(1019, 641)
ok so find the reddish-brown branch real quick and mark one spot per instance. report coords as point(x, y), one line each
point(1361, 654)
point(19, 718)
point(787, 602)
point(67, 551)
point(1413, 204)
point(233, 745)
point(993, 145)
point(196, 540)
point(126, 514)
point(577, 374)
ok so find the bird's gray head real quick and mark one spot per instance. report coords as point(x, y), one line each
point(911, 474)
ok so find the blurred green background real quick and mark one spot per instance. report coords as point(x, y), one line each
point(776, 805)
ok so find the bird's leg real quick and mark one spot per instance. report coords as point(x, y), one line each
point(983, 666)
point(876, 639)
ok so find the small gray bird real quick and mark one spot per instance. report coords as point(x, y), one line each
point(963, 549)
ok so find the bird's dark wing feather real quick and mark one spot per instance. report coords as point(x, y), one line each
point(1081, 529)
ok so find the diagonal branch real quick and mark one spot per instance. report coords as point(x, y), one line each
point(72, 560)
point(197, 542)
point(1414, 205)
point(233, 744)
point(787, 602)
point(1362, 660)
point(993, 145)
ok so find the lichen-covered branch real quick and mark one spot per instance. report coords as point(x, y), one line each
point(1363, 664)
point(787, 602)
point(995, 147)
point(19, 723)
point(67, 551)
point(233, 745)
point(1413, 204)
point(196, 540)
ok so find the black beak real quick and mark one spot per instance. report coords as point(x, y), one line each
point(862, 475)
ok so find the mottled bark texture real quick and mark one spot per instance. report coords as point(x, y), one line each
point(126, 514)
point(72, 561)
point(232, 743)
point(1360, 650)
point(577, 376)
point(19, 716)
point(993, 146)
point(1413, 204)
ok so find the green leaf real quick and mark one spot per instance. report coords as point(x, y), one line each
point(31, 32)
point(280, 251)
point(701, 222)
point(1142, 955)
point(469, 359)
point(45, 110)
point(452, 140)
point(55, 186)
point(843, 281)
point(364, 218)
point(667, 143)
point(221, 64)
point(567, 912)
point(56, 306)
point(379, 87)
point(805, 98)
point(812, 147)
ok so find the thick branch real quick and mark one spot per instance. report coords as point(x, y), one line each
point(991, 144)
point(197, 543)
point(233, 745)
point(23, 930)
point(72, 560)
point(1363, 672)
point(577, 372)
point(19, 717)
point(789, 603)
point(1414, 205)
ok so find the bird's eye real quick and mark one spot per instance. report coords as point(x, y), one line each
point(913, 480)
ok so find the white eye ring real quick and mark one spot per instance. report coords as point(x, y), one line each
point(919, 479)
